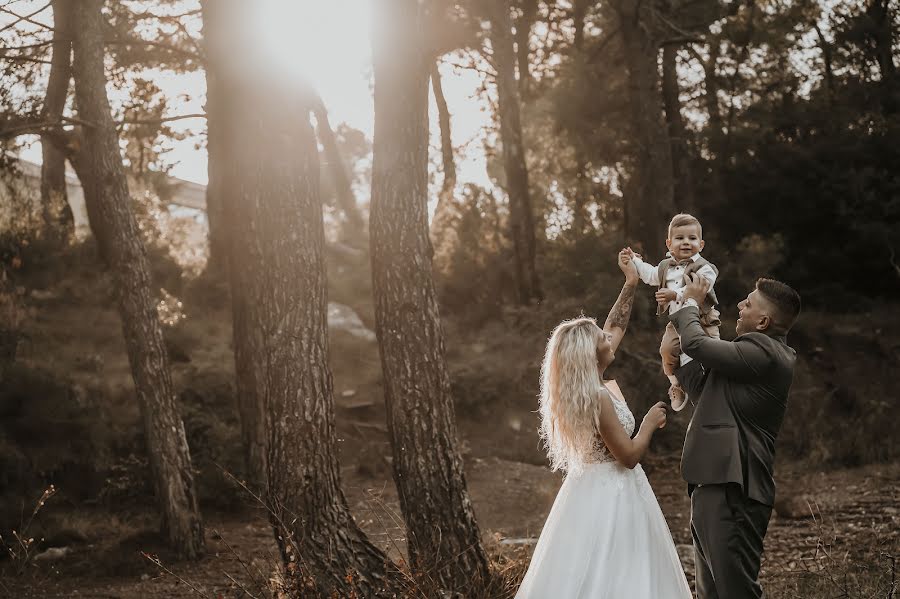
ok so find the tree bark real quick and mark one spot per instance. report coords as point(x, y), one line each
point(678, 136)
point(651, 202)
point(59, 222)
point(443, 537)
point(110, 208)
point(520, 209)
point(217, 183)
point(354, 228)
point(281, 326)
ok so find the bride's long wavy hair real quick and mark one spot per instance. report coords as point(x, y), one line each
point(570, 393)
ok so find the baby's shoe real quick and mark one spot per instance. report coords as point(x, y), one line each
point(677, 397)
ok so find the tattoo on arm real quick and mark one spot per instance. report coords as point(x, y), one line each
point(621, 311)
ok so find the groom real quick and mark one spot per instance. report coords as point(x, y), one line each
point(729, 450)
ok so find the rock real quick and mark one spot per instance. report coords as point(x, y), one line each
point(43, 295)
point(516, 541)
point(343, 318)
point(53, 553)
point(795, 507)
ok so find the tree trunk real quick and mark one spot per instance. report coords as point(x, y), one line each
point(59, 222)
point(444, 209)
point(715, 125)
point(582, 188)
point(217, 184)
point(110, 209)
point(354, 228)
point(678, 136)
point(523, 39)
point(652, 202)
point(883, 24)
point(520, 209)
point(444, 542)
point(279, 260)
point(827, 55)
point(232, 237)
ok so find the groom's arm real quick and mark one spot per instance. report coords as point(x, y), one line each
point(744, 359)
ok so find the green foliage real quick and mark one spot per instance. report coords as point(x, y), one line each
point(473, 265)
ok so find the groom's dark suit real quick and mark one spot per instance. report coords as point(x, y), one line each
point(740, 390)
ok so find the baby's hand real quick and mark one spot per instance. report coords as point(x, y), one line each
point(664, 296)
point(631, 253)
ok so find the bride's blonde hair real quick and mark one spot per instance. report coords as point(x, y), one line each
point(570, 393)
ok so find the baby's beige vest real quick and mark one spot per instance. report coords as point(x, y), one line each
point(709, 316)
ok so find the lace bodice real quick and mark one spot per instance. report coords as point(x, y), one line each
point(623, 412)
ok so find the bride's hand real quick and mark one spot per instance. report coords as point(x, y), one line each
point(656, 417)
point(627, 265)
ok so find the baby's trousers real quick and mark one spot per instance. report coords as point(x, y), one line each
point(670, 346)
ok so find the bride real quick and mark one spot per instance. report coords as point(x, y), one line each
point(605, 536)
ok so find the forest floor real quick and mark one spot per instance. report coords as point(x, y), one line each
point(835, 531)
point(843, 546)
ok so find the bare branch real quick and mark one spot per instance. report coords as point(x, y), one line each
point(20, 18)
point(891, 260)
point(24, 59)
point(147, 14)
point(180, 117)
point(6, 49)
point(37, 126)
point(680, 41)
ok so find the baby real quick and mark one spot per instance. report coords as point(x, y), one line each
point(685, 241)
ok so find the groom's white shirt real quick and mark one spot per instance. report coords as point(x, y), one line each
point(675, 281)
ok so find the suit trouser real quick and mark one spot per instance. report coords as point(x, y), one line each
point(728, 530)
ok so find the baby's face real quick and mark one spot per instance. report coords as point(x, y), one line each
point(685, 241)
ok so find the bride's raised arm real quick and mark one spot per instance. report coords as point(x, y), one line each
point(620, 314)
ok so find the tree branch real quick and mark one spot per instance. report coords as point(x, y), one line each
point(680, 41)
point(180, 117)
point(37, 126)
point(20, 18)
point(147, 14)
point(24, 59)
point(160, 45)
point(891, 259)
point(6, 49)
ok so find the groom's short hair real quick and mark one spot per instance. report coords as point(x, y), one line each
point(681, 220)
point(784, 300)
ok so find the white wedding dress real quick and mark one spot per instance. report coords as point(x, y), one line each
point(605, 537)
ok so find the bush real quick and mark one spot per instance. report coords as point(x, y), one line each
point(55, 432)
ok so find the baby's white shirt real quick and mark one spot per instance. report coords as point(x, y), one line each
point(675, 281)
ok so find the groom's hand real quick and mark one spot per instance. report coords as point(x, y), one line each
point(696, 289)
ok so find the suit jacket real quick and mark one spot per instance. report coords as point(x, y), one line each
point(742, 387)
